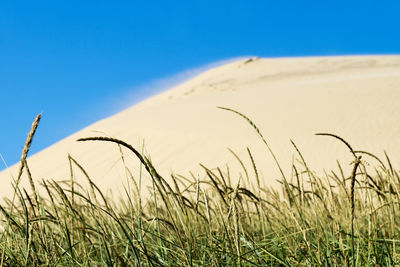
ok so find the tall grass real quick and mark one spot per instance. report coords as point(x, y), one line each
point(334, 219)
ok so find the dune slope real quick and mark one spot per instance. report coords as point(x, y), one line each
point(356, 97)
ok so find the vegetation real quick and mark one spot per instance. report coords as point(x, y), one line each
point(338, 219)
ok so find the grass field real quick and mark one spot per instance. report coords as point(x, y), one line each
point(334, 219)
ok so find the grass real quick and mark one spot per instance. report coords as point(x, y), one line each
point(334, 219)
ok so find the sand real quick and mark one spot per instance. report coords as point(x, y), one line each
point(355, 97)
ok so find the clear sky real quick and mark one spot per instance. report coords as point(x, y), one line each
point(80, 61)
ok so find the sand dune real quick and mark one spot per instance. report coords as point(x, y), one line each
point(356, 97)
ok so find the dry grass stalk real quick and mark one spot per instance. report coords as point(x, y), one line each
point(352, 189)
point(25, 152)
point(27, 146)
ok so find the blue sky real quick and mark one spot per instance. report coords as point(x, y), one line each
point(80, 61)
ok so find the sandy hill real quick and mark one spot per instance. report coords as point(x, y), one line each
point(356, 97)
